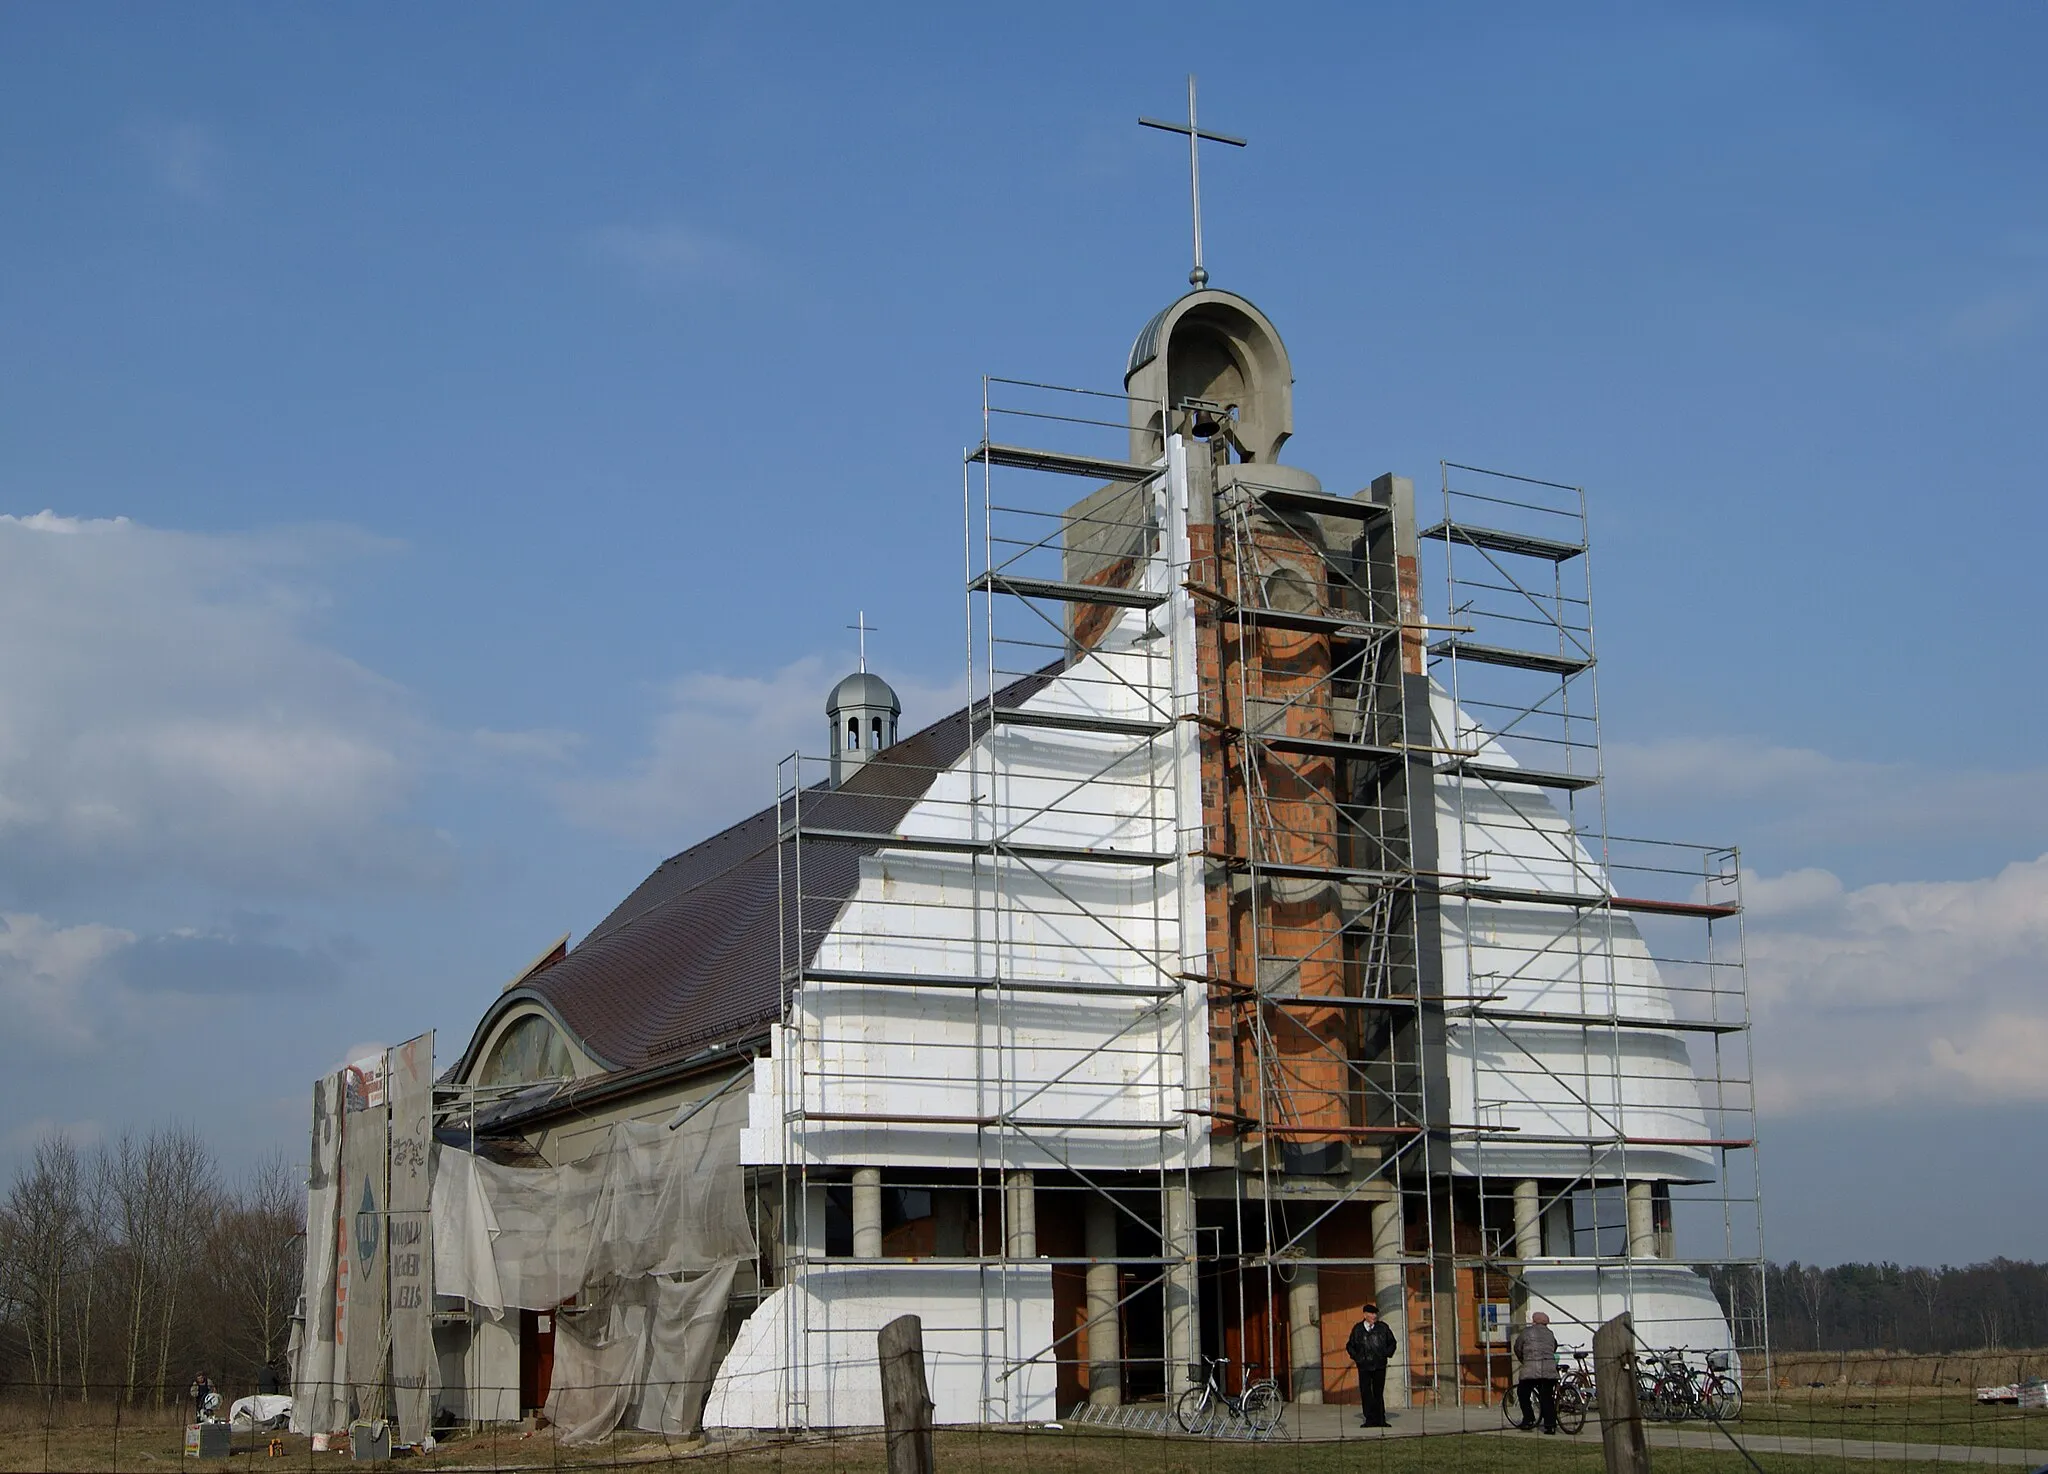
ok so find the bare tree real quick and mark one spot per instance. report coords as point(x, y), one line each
point(1925, 1287)
point(92, 1271)
point(1811, 1284)
point(44, 1236)
point(163, 1193)
point(257, 1259)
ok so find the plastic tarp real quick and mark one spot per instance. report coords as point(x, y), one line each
point(643, 1235)
point(640, 1355)
point(261, 1411)
point(317, 1405)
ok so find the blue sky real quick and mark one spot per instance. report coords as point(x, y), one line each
point(510, 406)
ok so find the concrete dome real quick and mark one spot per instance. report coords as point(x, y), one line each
point(863, 688)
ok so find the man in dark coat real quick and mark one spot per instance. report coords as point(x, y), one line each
point(1371, 1346)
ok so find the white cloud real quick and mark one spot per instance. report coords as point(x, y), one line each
point(46, 973)
point(1905, 993)
point(712, 754)
point(662, 257)
point(184, 157)
point(1799, 793)
point(170, 714)
point(70, 988)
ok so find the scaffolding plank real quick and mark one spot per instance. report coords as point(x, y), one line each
point(1705, 911)
point(1324, 747)
point(1533, 777)
point(1306, 872)
point(1556, 665)
point(1605, 1139)
point(1594, 1020)
point(1072, 593)
point(1019, 1123)
point(1023, 850)
point(1339, 1000)
point(1589, 900)
point(1066, 721)
point(1320, 502)
point(1342, 626)
point(969, 983)
point(1499, 540)
point(1062, 463)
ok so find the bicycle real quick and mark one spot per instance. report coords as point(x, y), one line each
point(1672, 1390)
point(1574, 1396)
point(1203, 1405)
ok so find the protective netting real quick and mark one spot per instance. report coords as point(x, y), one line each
point(643, 1236)
point(638, 1356)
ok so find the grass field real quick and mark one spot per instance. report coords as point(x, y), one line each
point(29, 1441)
point(1907, 1418)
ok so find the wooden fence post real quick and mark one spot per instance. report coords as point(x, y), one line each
point(906, 1399)
point(1621, 1413)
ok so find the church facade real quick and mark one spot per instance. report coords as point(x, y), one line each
point(1250, 947)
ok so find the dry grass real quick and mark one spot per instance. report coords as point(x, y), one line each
point(1903, 1415)
point(155, 1444)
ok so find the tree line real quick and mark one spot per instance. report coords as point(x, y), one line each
point(2002, 1305)
point(127, 1268)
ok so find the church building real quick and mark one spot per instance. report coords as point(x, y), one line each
point(1250, 946)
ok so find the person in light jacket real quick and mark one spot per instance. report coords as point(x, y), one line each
point(1536, 1350)
point(1371, 1346)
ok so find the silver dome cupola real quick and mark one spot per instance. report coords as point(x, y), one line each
point(862, 712)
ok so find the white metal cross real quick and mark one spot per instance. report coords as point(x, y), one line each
point(860, 622)
point(1198, 278)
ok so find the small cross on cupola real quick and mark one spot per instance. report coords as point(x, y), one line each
point(862, 712)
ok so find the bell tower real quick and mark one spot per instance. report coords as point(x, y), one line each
point(862, 712)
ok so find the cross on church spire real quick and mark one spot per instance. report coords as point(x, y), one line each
point(1199, 277)
point(860, 622)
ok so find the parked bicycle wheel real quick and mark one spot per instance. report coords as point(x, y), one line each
point(1261, 1406)
point(1724, 1398)
point(1571, 1407)
point(1653, 1398)
point(1196, 1411)
point(1511, 1407)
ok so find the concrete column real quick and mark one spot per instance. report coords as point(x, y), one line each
point(1642, 1221)
point(1528, 1219)
point(1390, 1291)
point(867, 1212)
point(1557, 1229)
point(1105, 1329)
point(1020, 1190)
point(1305, 1325)
point(1177, 1224)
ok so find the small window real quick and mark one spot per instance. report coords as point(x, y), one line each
point(877, 734)
point(853, 734)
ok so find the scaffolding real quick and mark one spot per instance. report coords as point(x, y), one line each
point(1040, 856)
point(1601, 977)
point(1207, 943)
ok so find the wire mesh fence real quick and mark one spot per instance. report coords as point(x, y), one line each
point(1807, 1413)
